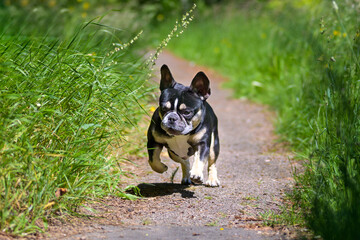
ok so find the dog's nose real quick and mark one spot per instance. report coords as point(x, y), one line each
point(172, 119)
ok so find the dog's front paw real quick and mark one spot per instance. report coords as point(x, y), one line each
point(197, 179)
point(212, 182)
point(158, 166)
point(196, 174)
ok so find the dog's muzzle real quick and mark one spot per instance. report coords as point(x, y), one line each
point(173, 124)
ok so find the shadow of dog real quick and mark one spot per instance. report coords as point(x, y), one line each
point(163, 189)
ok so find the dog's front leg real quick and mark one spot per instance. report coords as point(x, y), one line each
point(154, 151)
point(203, 154)
point(197, 170)
point(185, 167)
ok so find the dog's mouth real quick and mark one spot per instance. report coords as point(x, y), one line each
point(171, 131)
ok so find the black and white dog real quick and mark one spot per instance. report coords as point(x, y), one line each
point(186, 125)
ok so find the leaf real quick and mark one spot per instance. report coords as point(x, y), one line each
point(60, 191)
point(89, 125)
point(49, 204)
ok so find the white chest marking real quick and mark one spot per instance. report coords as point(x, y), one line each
point(179, 145)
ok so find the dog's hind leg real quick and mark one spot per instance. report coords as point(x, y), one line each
point(213, 180)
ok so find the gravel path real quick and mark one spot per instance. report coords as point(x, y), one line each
point(254, 174)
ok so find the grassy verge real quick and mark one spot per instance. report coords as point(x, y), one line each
point(301, 58)
point(69, 93)
point(72, 90)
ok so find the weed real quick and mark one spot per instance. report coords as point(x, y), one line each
point(147, 221)
point(250, 198)
point(223, 215)
point(173, 175)
point(212, 224)
point(269, 218)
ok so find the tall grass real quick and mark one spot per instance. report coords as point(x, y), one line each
point(333, 173)
point(65, 103)
point(70, 96)
point(302, 58)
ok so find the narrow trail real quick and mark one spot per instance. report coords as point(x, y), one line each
point(253, 171)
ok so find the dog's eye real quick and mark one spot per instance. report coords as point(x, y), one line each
point(186, 113)
point(164, 108)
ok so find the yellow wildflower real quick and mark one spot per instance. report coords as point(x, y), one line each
point(83, 15)
point(24, 3)
point(52, 3)
point(160, 17)
point(86, 6)
point(152, 109)
point(336, 33)
point(344, 35)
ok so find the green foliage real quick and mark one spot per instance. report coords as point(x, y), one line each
point(65, 103)
point(302, 58)
point(335, 168)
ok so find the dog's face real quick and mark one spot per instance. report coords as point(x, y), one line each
point(180, 112)
point(180, 107)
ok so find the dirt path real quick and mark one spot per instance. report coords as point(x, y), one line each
point(254, 175)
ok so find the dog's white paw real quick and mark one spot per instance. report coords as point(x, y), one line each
point(158, 166)
point(212, 182)
point(196, 172)
point(197, 178)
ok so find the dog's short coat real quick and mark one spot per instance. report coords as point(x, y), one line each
point(186, 125)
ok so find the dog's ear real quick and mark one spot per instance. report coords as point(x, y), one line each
point(201, 85)
point(167, 80)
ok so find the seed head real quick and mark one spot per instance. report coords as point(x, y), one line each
point(335, 6)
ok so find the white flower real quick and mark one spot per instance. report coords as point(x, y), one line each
point(335, 6)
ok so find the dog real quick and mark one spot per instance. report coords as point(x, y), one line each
point(187, 126)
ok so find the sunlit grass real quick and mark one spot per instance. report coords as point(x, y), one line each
point(65, 103)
